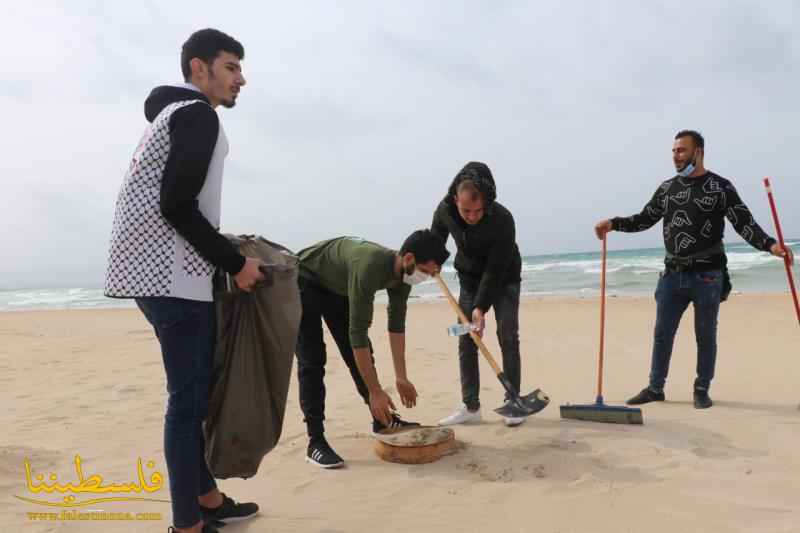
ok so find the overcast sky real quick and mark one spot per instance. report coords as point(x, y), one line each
point(357, 115)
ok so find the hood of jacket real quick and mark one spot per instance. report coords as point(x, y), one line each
point(480, 174)
point(164, 95)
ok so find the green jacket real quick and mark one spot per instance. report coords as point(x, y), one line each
point(357, 269)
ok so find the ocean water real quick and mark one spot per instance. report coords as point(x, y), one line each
point(630, 272)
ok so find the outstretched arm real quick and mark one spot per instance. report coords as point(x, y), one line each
point(406, 389)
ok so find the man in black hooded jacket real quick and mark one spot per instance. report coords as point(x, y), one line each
point(488, 265)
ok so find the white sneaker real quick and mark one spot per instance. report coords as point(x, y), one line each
point(512, 421)
point(462, 416)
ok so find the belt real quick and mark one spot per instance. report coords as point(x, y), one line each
point(694, 261)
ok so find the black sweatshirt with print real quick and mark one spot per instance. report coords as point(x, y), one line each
point(694, 212)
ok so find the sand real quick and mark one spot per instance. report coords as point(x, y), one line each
point(91, 383)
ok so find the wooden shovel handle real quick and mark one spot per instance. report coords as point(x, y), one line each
point(464, 320)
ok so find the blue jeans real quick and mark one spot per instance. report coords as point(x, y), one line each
point(674, 293)
point(186, 330)
point(506, 312)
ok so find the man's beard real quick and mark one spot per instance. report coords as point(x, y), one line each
point(224, 103)
point(689, 161)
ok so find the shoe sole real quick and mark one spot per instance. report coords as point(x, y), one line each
point(464, 423)
point(642, 403)
point(513, 424)
point(327, 467)
point(398, 430)
point(401, 428)
point(234, 519)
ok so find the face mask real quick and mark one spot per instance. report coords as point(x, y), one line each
point(688, 169)
point(415, 278)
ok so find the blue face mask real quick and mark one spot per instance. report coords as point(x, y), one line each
point(690, 167)
point(687, 170)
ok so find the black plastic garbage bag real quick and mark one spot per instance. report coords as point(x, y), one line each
point(256, 338)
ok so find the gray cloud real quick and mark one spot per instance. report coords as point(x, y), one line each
point(357, 115)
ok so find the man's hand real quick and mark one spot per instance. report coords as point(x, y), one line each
point(249, 275)
point(602, 227)
point(381, 406)
point(478, 321)
point(407, 392)
point(778, 251)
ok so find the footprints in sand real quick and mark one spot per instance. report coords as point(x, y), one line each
point(12, 460)
point(125, 391)
point(701, 442)
point(718, 449)
point(506, 474)
point(536, 470)
point(572, 445)
point(562, 462)
point(146, 333)
point(488, 472)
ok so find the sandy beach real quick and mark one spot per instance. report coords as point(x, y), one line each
point(91, 383)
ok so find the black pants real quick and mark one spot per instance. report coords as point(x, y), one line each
point(506, 312)
point(318, 305)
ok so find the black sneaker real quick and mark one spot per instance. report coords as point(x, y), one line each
point(228, 512)
point(207, 528)
point(646, 396)
point(396, 423)
point(321, 454)
point(702, 400)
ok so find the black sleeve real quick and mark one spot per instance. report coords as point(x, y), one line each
point(500, 257)
point(193, 136)
point(652, 212)
point(438, 226)
point(743, 221)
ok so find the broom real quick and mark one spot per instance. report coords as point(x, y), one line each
point(786, 261)
point(599, 411)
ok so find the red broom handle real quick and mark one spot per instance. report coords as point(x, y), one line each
point(786, 261)
point(602, 320)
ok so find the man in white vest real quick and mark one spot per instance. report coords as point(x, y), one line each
point(165, 247)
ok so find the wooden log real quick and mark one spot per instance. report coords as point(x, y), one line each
point(416, 445)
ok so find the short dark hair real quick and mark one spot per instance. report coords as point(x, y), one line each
point(481, 177)
point(695, 135)
point(425, 246)
point(206, 45)
point(472, 189)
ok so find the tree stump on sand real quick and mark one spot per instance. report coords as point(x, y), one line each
point(416, 445)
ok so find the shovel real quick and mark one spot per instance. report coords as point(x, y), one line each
point(516, 406)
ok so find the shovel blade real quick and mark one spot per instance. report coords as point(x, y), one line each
point(522, 406)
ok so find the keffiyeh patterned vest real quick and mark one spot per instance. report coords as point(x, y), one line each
point(147, 255)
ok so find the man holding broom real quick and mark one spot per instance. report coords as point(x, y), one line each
point(693, 206)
